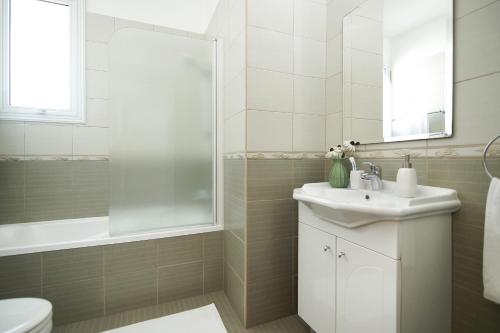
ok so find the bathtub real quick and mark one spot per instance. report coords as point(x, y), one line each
point(34, 237)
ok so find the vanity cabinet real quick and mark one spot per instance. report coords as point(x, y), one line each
point(384, 277)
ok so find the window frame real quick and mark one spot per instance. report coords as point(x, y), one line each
point(76, 113)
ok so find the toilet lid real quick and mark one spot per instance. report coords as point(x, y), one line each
point(19, 315)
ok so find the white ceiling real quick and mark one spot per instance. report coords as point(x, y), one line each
point(401, 15)
point(190, 15)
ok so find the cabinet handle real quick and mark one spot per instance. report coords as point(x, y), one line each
point(341, 254)
point(326, 248)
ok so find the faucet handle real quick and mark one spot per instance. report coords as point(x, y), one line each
point(374, 168)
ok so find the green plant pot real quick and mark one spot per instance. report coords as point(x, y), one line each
point(338, 178)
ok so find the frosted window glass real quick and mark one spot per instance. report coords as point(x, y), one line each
point(161, 126)
point(40, 51)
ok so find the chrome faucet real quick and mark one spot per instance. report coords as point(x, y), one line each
point(374, 175)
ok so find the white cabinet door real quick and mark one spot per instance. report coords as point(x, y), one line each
point(316, 280)
point(367, 290)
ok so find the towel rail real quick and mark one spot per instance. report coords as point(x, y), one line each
point(485, 152)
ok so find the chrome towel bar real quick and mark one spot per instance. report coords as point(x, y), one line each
point(485, 152)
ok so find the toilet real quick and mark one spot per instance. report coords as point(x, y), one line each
point(25, 315)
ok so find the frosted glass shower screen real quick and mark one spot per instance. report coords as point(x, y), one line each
point(162, 131)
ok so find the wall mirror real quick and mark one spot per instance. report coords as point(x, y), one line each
point(398, 70)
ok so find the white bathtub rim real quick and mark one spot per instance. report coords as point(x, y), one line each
point(105, 240)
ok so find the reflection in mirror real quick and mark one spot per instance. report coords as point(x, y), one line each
point(398, 70)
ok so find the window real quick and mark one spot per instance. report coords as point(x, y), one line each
point(43, 71)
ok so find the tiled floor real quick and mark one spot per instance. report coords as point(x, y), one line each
point(286, 325)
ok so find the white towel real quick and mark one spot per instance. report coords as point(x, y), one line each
point(491, 253)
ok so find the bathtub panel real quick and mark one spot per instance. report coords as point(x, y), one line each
point(65, 266)
point(132, 290)
point(20, 275)
point(128, 257)
point(180, 281)
point(180, 250)
point(87, 282)
point(213, 245)
point(213, 275)
point(75, 301)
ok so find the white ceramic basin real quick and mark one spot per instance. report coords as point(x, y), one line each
point(353, 208)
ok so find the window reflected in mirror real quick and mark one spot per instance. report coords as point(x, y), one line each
point(398, 70)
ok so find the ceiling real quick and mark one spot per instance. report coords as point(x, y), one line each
point(189, 15)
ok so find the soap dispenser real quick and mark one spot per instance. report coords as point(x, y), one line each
point(406, 181)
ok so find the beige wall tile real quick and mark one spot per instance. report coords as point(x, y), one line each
point(11, 138)
point(334, 55)
point(271, 91)
point(309, 95)
point(99, 28)
point(235, 133)
point(309, 57)
point(97, 84)
point(334, 130)
point(90, 141)
point(269, 131)
point(308, 132)
point(310, 19)
point(48, 139)
point(307, 171)
point(96, 56)
point(476, 103)
point(334, 86)
point(98, 112)
point(236, 95)
point(270, 50)
point(237, 18)
point(274, 15)
point(477, 43)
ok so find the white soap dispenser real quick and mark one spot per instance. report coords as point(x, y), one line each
point(406, 181)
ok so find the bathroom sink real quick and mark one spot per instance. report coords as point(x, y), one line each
point(354, 208)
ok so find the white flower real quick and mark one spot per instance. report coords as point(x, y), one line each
point(348, 147)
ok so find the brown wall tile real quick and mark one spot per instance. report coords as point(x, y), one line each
point(269, 179)
point(269, 259)
point(213, 245)
point(181, 249)
point(213, 275)
point(76, 301)
point(132, 290)
point(72, 265)
point(20, 274)
point(129, 257)
point(269, 300)
point(234, 254)
point(180, 281)
point(235, 291)
point(270, 219)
